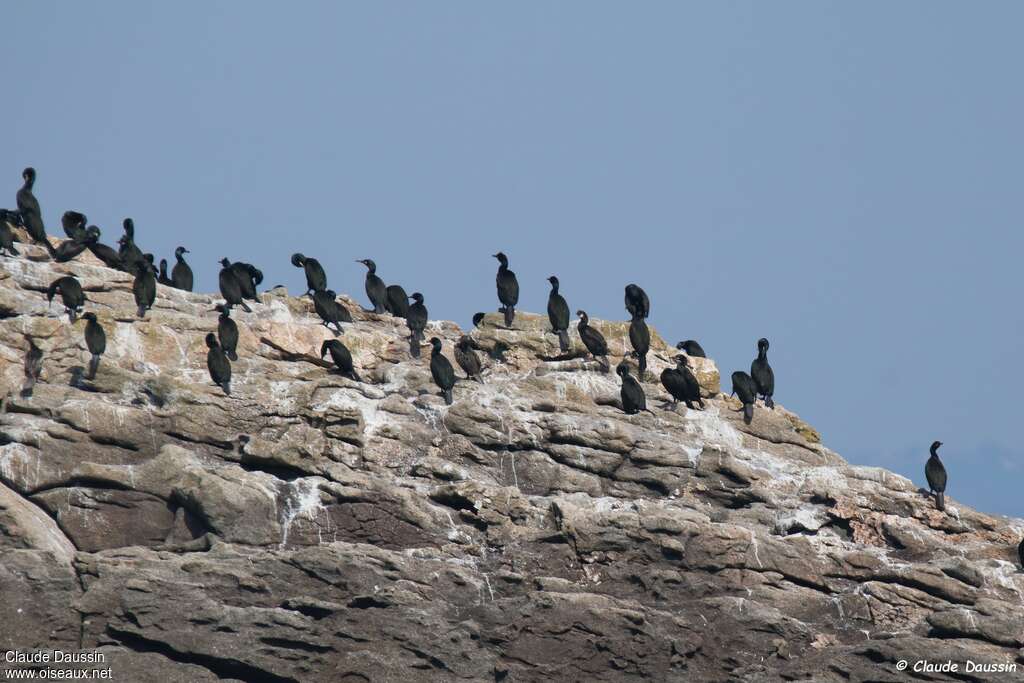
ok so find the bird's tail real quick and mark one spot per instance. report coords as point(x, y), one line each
point(510, 315)
point(379, 309)
point(226, 386)
point(448, 396)
point(72, 315)
point(94, 365)
point(478, 378)
point(605, 364)
point(142, 310)
point(232, 355)
point(940, 500)
point(49, 248)
point(414, 345)
point(748, 412)
point(642, 365)
point(26, 390)
point(563, 340)
point(245, 307)
point(354, 376)
point(769, 403)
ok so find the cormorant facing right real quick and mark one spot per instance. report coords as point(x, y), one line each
point(230, 289)
point(935, 473)
point(181, 274)
point(397, 303)
point(691, 348)
point(31, 216)
point(593, 340)
point(217, 363)
point(762, 373)
point(558, 315)
point(376, 290)
point(162, 277)
point(640, 338)
point(632, 394)
point(637, 303)
point(70, 293)
point(33, 367)
point(442, 371)
point(416, 320)
point(330, 311)
point(508, 289)
point(467, 359)
point(129, 251)
point(95, 341)
point(110, 256)
point(227, 332)
point(316, 278)
point(341, 356)
point(745, 389)
point(144, 287)
point(681, 383)
point(7, 239)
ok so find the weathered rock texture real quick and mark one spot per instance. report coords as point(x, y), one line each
point(313, 528)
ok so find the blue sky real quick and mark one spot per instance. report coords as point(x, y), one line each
point(842, 178)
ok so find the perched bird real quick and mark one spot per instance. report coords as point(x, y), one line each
point(508, 289)
point(7, 240)
point(341, 356)
point(593, 340)
point(762, 373)
point(316, 278)
point(442, 371)
point(12, 217)
point(70, 293)
point(162, 277)
point(69, 249)
point(1020, 553)
point(478, 319)
point(637, 303)
point(33, 367)
point(416, 320)
point(230, 288)
point(397, 303)
point(558, 315)
point(28, 207)
point(227, 332)
point(681, 383)
point(467, 359)
point(640, 338)
point(330, 311)
point(691, 348)
point(144, 287)
point(129, 251)
point(111, 257)
point(181, 273)
point(632, 394)
point(376, 290)
point(217, 363)
point(248, 277)
point(95, 341)
point(935, 473)
point(744, 388)
point(73, 223)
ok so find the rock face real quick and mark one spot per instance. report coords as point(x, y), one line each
point(309, 527)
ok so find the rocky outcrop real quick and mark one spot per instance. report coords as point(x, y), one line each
point(309, 527)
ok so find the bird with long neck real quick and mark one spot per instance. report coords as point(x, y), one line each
point(935, 473)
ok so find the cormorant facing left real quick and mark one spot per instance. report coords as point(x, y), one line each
point(935, 473)
point(144, 287)
point(162, 277)
point(593, 340)
point(640, 338)
point(229, 287)
point(558, 315)
point(227, 332)
point(467, 359)
point(95, 341)
point(70, 293)
point(637, 303)
point(341, 356)
point(31, 215)
point(397, 301)
point(508, 289)
point(181, 273)
point(762, 373)
point(326, 305)
point(316, 278)
point(416, 320)
point(376, 290)
point(442, 371)
point(745, 389)
point(632, 394)
point(217, 363)
point(33, 367)
point(129, 251)
point(691, 348)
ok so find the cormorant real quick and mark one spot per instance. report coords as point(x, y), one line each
point(1020, 553)
point(33, 367)
point(12, 217)
point(95, 341)
point(691, 348)
point(744, 388)
point(935, 473)
point(69, 249)
point(248, 277)
point(129, 251)
point(341, 356)
point(70, 293)
point(144, 287)
point(227, 332)
point(376, 290)
point(162, 277)
point(681, 383)
point(508, 289)
point(7, 240)
point(442, 370)
point(217, 363)
point(558, 314)
point(593, 340)
point(467, 359)
point(397, 303)
point(762, 373)
point(330, 311)
point(478, 318)
point(230, 288)
point(181, 273)
point(416, 319)
point(110, 257)
point(316, 278)
point(31, 215)
point(640, 338)
point(73, 223)
point(632, 394)
point(637, 303)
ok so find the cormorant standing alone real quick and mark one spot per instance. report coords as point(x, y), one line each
point(33, 367)
point(593, 340)
point(330, 311)
point(935, 473)
point(129, 251)
point(691, 348)
point(637, 303)
point(95, 341)
point(31, 216)
point(376, 290)
point(442, 370)
point(558, 314)
point(467, 359)
point(640, 338)
point(217, 363)
point(681, 383)
point(230, 289)
point(227, 332)
point(162, 277)
point(762, 373)
point(316, 278)
point(110, 256)
point(745, 389)
point(7, 240)
point(70, 293)
point(397, 303)
point(632, 394)
point(181, 273)
point(416, 320)
point(341, 356)
point(144, 287)
point(508, 289)
point(478, 318)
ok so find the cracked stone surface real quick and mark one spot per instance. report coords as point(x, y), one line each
point(310, 527)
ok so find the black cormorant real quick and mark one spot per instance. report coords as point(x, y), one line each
point(227, 332)
point(508, 289)
point(144, 287)
point(745, 389)
point(341, 356)
point(558, 315)
point(632, 394)
point(73, 223)
point(230, 289)
point(31, 216)
point(162, 277)
point(7, 239)
point(316, 278)
point(640, 338)
point(217, 363)
point(637, 303)
point(691, 348)
point(762, 373)
point(95, 341)
point(248, 277)
point(376, 290)
point(181, 273)
point(129, 251)
point(69, 249)
point(442, 370)
point(593, 340)
point(416, 319)
point(110, 256)
point(70, 293)
point(397, 303)
point(1020, 553)
point(478, 318)
point(33, 367)
point(681, 383)
point(467, 359)
point(935, 473)
point(330, 311)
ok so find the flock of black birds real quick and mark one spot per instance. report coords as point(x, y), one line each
point(238, 282)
